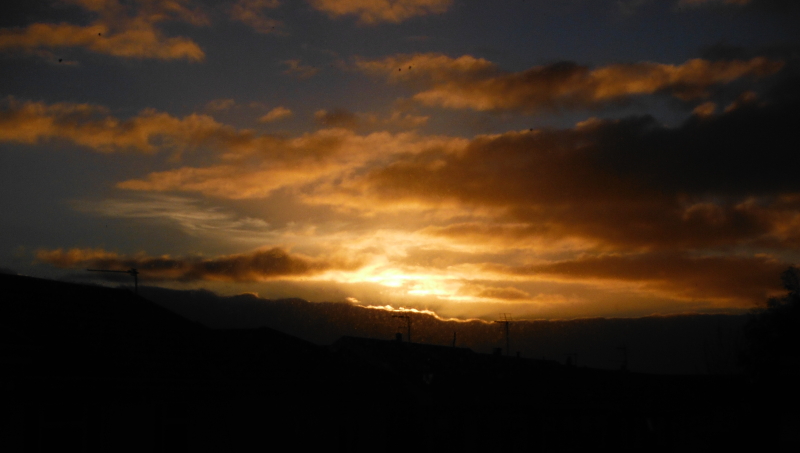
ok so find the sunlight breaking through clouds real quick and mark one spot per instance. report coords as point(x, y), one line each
point(545, 159)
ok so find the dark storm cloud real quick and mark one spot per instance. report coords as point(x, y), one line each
point(258, 265)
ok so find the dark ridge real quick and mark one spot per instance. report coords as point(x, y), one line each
point(90, 368)
point(678, 344)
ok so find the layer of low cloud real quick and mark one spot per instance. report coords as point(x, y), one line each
point(738, 280)
point(118, 29)
point(258, 265)
point(376, 11)
point(475, 83)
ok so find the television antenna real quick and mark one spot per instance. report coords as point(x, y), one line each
point(131, 271)
point(506, 321)
point(408, 321)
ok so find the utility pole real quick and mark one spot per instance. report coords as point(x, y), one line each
point(506, 321)
point(131, 271)
point(408, 320)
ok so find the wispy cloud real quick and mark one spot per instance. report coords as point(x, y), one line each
point(297, 69)
point(251, 13)
point(344, 118)
point(276, 114)
point(93, 126)
point(376, 11)
point(258, 265)
point(474, 83)
point(190, 215)
point(728, 279)
point(273, 163)
point(120, 29)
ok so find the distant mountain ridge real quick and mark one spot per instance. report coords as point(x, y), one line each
point(678, 344)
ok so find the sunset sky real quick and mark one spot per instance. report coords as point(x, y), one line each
point(548, 159)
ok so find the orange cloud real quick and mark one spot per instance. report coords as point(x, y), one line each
point(471, 83)
point(375, 11)
point(271, 163)
point(343, 118)
point(299, 70)
point(508, 293)
point(629, 183)
point(258, 265)
point(336, 118)
point(278, 113)
point(92, 126)
point(120, 30)
point(732, 279)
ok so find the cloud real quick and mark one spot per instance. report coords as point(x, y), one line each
point(474, 83)
point(375, 11)
point(336, 118)
point(299, 70)
point(93, 126)
point(490, 292)
point(265, 164)
point(691, 3)
point(191, 216)
point(344, 118)
point(252, 165)
point(220, 105)
point(732, 279)
point(250, 12)
point(623, 184)
point(258, 265)
point(627, 184)
point(276, 114)
point(119, 29)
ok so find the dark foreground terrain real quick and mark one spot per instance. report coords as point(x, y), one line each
point(87, 368)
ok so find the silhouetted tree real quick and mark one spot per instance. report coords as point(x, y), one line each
point(773, 332)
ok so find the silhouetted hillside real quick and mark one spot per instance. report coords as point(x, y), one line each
point(684, 344)
point(99, 369)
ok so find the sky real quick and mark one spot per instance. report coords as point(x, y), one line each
point(540, 159)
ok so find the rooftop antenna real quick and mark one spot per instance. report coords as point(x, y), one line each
point(408, 320)
point(624, 365)
point(506, 321)
point(572, 358)
point(131, 271)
